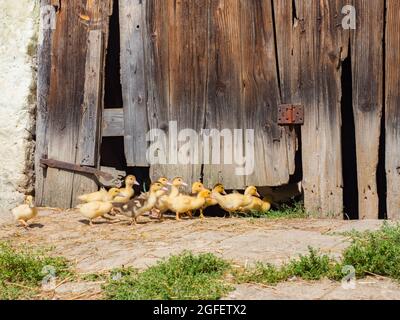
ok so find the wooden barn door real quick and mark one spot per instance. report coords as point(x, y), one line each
point(207, 64)
point(70, 97)
point(227, 64)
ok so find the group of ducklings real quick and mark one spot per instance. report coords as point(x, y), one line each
point(163, 196)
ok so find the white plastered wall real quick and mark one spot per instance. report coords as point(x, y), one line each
point(18, 38)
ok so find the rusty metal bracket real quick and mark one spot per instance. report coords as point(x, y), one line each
point(290, 114)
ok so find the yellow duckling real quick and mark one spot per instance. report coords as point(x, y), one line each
point(101, 195)
point(210, 202)
point(257, 205)
point(163, 180)
point(25, 212)
point(162, 203)
point(96, 209)
point(183, 203)
point(234, 202)
point(198, 187)
point(125, 194)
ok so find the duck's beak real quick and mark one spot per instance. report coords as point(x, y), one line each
point(169, 183)
point(224, 192)
point(164, 189)
point(136, 183)
point(258, 195)
point(185, 184)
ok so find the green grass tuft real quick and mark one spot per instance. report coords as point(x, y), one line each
point(294, 211)
point(21, 271)
point(371, 253)
point(183, 277)
point(375, 252)
point(312, 266)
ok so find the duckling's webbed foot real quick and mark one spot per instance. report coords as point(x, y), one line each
point(115, 211)
point(24, 224)
point(155, 213)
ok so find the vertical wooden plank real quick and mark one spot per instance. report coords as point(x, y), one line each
point(288, 56)
point(96, 15)
point(69, 51)
point(66, 89)
point(157, 68)
point(392, 117)
point(113, 123)
point(44, 69)
point(261, 95)
point(223, 109)
point(178, 77)
point(91, 111)
point(321, 46)
point(367, 57)
point(132, 26)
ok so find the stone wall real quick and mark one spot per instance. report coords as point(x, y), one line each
point(19, 22)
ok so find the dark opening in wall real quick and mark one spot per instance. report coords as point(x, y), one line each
point(381, 170)
point(298, 174)
point(349, 153)
point(112, 153)
point(113, 89)
point(381, 173)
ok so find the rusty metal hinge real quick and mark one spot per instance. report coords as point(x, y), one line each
point(290, 114)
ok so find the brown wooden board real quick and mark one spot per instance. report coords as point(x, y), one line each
point(91, 109)
point(288, 57)
point(113, 123)
point(260, 94)
point(322, 48)
point(176, 49)
point(224, 102)
point(209, 64)
point(392, 116)
point(133, 80)
point(66, 96)
point(367, 58)
point(43, 87)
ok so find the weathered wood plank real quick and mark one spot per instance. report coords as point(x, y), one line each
point(132, 26)
point(92, 105)
point(367, 50)
point(288, 56)
point(392, 109)
point(177, 47)
point(113, 123)
point(96, 15)
point(223, 109)
point(261, 95)
point(69, 49)
point(66, 89)
point(43, 74)
point(321, 47)
point(157, 69)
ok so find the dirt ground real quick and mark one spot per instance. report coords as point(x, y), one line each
point(243, 241)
